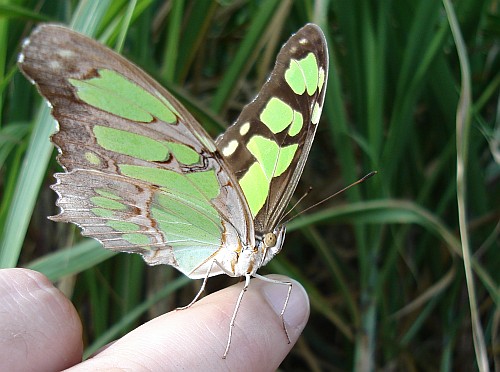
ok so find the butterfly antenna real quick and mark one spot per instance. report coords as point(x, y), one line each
point(361, 180)
point(295, 205)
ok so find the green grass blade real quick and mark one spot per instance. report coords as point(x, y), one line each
point(245, 53)
point(26, 192)
point(463, 134)
point(37, 157)
point(72, 260)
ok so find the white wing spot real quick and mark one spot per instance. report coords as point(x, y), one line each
point(54, 65)
point(20, 58)
point(321, 79)
point(65, 53)
point(303, 41)
point(230, 148)
point(316, 114)
point(244, 129)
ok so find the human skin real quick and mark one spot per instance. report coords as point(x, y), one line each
point(41, 330)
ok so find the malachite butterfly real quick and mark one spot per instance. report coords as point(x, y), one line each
point(143, 176)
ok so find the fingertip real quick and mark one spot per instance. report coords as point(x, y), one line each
point(259, 341)
point(297, 309)
point(40, 327)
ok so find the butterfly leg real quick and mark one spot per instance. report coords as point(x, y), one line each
point(202, 288)
point(233, 318)
point(289, 284)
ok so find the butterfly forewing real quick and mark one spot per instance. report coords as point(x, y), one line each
point(268, 145)
point(141, 174)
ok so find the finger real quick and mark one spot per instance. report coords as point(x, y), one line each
point(195, 338)
point(39, 327)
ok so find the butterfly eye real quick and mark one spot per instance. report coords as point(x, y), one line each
point(270, 240)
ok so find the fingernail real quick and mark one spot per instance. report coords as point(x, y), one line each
point(297, 309)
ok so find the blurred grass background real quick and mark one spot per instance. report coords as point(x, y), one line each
point(402, 271)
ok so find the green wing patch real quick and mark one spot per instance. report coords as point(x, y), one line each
point(113, 93)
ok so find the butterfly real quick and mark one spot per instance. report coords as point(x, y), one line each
point(141, 175)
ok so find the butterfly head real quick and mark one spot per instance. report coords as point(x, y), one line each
point(271, 243)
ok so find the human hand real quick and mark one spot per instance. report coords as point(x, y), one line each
point(40, 330)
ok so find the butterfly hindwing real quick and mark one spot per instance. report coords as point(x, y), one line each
point(268, 145)
point(141, 174)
